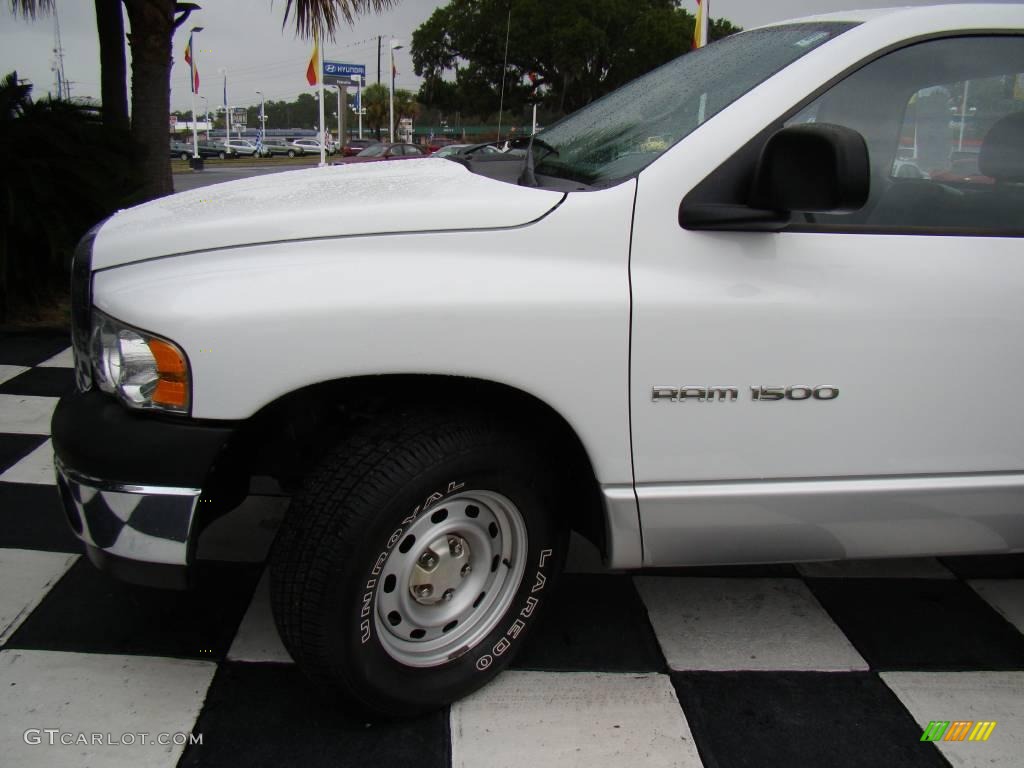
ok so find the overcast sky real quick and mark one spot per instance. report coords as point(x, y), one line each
point(246, 38)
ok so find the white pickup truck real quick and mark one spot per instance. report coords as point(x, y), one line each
point(710, 318)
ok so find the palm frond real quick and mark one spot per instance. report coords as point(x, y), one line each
point(30, 9)
point(325, 16)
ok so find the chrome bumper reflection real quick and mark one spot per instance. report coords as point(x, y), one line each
point(145, 523)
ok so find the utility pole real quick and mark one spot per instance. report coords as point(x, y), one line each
point(378, 59)
point(394, 45)
point(63, 87)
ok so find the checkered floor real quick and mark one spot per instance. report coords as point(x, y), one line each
point(815, 665)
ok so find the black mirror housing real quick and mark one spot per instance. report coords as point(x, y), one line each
point(813, 168)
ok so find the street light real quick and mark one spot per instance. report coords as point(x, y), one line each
point(395, 45)
point(192, 87)
point(263, 120)
point(206, 111)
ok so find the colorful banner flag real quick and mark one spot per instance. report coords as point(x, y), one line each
point(193, 69)
point(700, 28)
point(312, 71)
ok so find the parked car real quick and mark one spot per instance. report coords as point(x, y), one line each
point(384, 151)
point(183, 150)
point(273, 147)
point(355, 146)
point(437, 142)
point(467, 150)
point(743, 342)
point(310, 146)
point(238, 148)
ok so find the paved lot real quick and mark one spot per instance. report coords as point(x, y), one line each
point(217, 172)
point(819, 665)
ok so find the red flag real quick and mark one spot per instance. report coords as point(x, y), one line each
point(191, 63)
point(312, 71)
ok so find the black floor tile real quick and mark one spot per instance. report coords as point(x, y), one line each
point(31, 517)
point(800, 720)
point(920, 624)
point(13, 448)
point(595, 622)
point(43, 382)
point(269, 715)
point(986, 566)
point(92, 612)
point(31, 347)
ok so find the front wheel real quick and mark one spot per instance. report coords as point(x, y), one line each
point(415, 561)
point(222, 155)
point(291, 153)
point(184, 155)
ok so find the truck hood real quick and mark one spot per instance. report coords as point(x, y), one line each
point(423, 195)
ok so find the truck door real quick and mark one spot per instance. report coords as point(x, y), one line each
point(887, 340)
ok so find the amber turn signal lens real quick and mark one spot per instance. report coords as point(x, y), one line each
point(172, 385)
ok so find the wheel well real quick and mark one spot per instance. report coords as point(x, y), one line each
point(287, 436)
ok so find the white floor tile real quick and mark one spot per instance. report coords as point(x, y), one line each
point(1005, 595)
point(974, 696)
point(886, 568)
point(36, 468)
point(10, 371)
point(244, 535)
point(26, 414)
point(26, 576)
point(63, 359)
point(744, 624)
point(94, 693)
point(257, 638)
point(561, 720)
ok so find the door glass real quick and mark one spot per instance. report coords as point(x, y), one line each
point(944, 125)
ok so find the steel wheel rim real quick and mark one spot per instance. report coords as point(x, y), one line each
point(422, 628)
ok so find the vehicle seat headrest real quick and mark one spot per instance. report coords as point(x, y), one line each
point(1002, 150)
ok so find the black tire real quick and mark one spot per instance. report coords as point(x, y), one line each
point(185, 156)
point(353, 514)
point(222, 155)
point(291, 153)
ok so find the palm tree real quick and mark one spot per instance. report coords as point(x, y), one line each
point(152, 25)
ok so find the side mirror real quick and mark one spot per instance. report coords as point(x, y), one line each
point(811, 168)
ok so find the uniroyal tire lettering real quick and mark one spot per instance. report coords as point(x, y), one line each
point(378, 566)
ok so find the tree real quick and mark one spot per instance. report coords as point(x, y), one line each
point(575, 50)
point(152, 25)
point(375, 102)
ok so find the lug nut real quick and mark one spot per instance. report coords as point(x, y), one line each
point(423, 590)
point(455, 546)
point(466, 569)
point(428, 560)
point(448, 595)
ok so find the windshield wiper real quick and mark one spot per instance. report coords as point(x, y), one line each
point(527, 178)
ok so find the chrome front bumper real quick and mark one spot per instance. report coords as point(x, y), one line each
point(143, 523)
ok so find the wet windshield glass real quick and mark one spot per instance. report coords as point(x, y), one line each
point(375, 150)
point(622, 133)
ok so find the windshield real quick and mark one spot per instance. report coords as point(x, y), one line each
point(622, 133)
point(376, 150)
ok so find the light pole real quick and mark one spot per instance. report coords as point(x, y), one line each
point(263, 120)
point(206, 111)
point(359, 104)
point(341, 115)
point(227, 110)
point(395, 45)
point(192, 77)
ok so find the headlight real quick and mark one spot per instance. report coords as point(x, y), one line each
point(144, 371)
